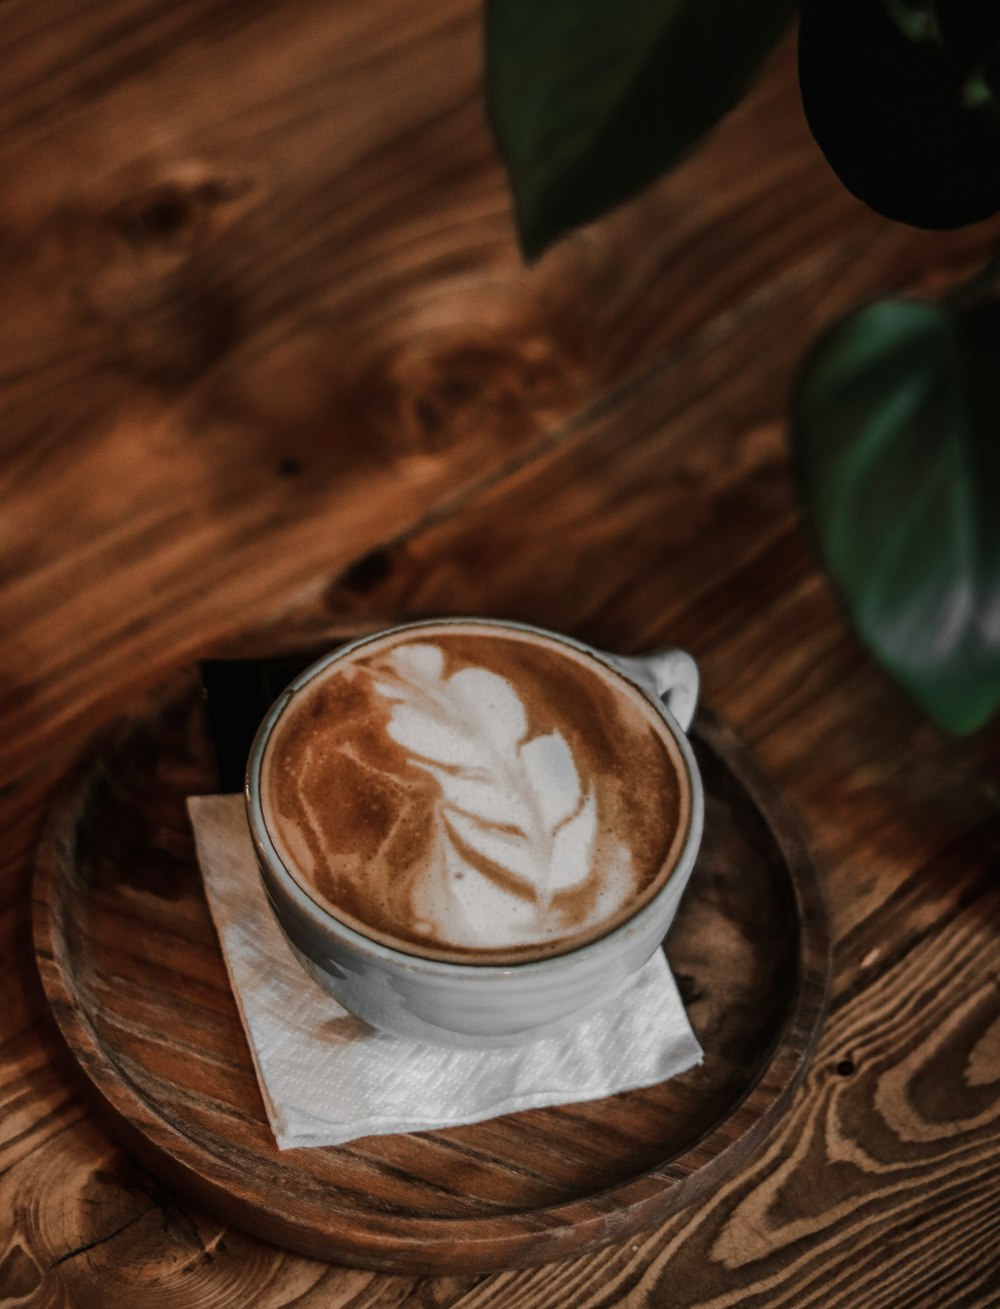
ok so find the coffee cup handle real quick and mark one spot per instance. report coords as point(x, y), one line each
point(673, 675)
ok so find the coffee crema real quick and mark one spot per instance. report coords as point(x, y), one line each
point(474, 793)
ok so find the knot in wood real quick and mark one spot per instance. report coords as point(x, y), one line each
point(500, 390)
point(173, 215)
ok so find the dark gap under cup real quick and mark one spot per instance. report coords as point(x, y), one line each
point(238, 693)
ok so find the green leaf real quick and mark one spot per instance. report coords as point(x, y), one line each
point(916, 19)
point(900, 100)
point(592, 99)
point(896, 426)
point(970, 31)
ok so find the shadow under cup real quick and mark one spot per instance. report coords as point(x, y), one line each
point(466, 1002)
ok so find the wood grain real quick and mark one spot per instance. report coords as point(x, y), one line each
point(132, 971)
point(267, 351)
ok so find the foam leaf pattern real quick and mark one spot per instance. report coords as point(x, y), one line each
point(553, 775)
point(514, 824)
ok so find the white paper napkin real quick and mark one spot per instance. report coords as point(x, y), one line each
point(327, 1077)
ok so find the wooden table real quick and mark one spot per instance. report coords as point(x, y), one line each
point(268, 350)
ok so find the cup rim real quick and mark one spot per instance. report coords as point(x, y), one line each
point(270, 860)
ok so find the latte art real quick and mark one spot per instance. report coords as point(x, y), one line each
point(474, 796)
point(514, 825)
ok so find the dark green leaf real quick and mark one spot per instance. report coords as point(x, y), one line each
point(897, 431)
point(916, 19)
point(592, 99)
point(907, 122)
point(970, 29)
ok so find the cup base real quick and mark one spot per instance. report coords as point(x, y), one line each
point(411, 1027)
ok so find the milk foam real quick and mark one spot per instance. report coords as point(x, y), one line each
point(515, 822)
point(458, 793)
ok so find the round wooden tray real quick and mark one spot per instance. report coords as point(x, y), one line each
point(132, 969)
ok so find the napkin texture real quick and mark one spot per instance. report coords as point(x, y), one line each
point(327, 1077)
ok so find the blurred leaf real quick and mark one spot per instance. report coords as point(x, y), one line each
point(916, 19)
point(896, 426)
point(970, 31)
point(592, 99)
point(904, 110)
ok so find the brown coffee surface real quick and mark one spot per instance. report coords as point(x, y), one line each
point(474, 793)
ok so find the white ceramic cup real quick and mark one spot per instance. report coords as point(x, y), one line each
point(482, 1004)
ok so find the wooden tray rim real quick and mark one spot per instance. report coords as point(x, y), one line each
point(395, 1243)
